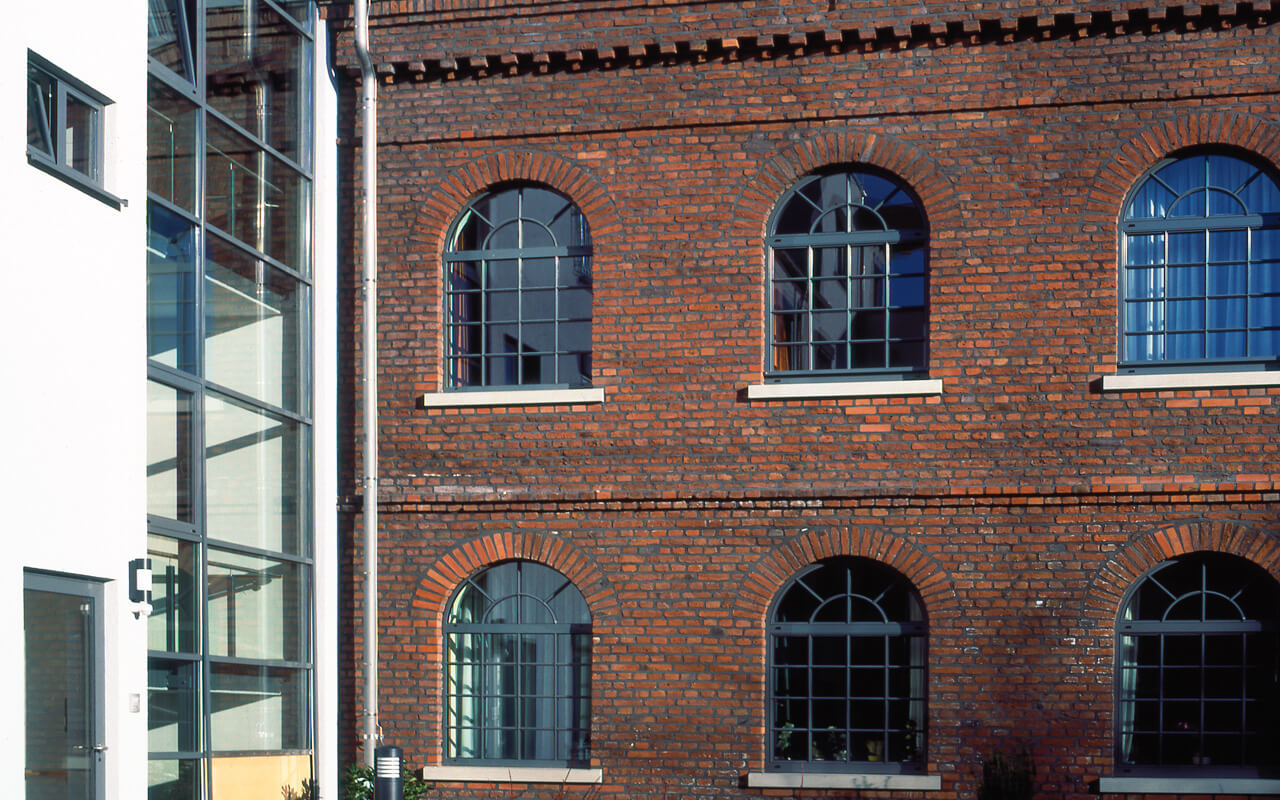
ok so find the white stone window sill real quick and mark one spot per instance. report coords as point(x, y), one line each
point(1146, 381)
point(1188, 786)
point(820, 389)
point(452, 773)
point(515, 397)
point(844, 780)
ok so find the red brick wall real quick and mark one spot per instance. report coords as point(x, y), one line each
point(1022, 501)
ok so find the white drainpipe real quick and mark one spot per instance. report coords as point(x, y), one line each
point(369, 247)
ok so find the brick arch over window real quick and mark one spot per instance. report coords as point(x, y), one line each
point(780, 173)
point(1125, 566)
point(1133, 158)
point(772, 571)
point(439, 205)
point(441, 579)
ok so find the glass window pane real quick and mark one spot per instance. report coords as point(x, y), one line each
point(171, 145)
point(255, 196)
point(169, 456)
point(171, 301)
point(240, 777)
point(169, 26)
point(257, 74)
point(258, 607)
point(172, 624)
point(172, 779)
point(253, 325)
point(258, 708)
point(253, 471)
point(82, 138)
point(172, 710)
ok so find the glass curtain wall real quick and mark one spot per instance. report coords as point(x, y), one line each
point(229, 176)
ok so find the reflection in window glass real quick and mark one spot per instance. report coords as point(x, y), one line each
point(258, 708)
point(252, 325)
point(172, 624)
point(519, 292)
point(257, 607)
point(168, 452)
point(172, 779)
point(171, 301)
point(252, 469)
point(171, 145)
point(848, 287)
point(169, 26)
point(258, 82)
point(254, 197)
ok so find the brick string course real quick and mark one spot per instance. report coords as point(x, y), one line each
point(1022, 502)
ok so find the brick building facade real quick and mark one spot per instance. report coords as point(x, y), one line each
point(1022, 479)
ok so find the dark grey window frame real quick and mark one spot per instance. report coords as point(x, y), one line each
point(1208, 224)
point(1159, 629)
point(192, 87)
point(518, 254)
point(56, 161)
point(885, 630)
point(581, 741)
point(888, 237)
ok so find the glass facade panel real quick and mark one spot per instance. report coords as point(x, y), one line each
point(171, 145)
point(254, 462)
point(258, 607)
point(253, 325)
point(255, 196)
point(172, 695)
point(173, 779)
point(258, 708)
point(174, 594)
point(171, 289)
point(257, 72)
point(169, 456)
point(228, 342)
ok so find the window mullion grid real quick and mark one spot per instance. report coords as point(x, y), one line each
point(850, 305)
point(556, 319)
point(886, 254)
point(812, 287)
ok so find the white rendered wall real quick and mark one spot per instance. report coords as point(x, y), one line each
point(325, 419)
point(73, 355)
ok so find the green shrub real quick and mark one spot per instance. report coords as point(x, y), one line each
point(357, 784)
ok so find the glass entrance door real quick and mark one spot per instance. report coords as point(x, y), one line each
point(65, 749)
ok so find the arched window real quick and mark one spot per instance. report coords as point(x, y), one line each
point(1197, 669)
point(518, 668)
point(1200, 263)
point(518, 292)
point(847, 258)
point(847, 670)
